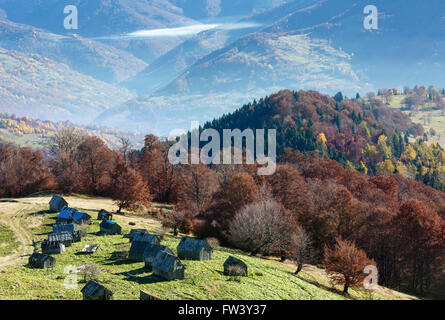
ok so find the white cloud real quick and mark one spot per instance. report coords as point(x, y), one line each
point(182, 31)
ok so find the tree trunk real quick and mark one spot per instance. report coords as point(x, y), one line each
point(175, 231)
point(300, 266)
point(345, 289)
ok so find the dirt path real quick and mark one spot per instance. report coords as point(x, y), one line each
point(12, 215)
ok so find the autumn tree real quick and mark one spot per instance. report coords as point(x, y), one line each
point(157, 171)
point(95, 161)
point(179, 221)
point(345, 264)
point(128, 190)
point(196, 186)
point(418, 236)
point(22, 171)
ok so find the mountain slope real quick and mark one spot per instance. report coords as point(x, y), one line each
point(175, 62)
point(41, 88)
point(104, 19)
point(83, 55)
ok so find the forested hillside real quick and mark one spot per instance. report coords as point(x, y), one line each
point(361, 134)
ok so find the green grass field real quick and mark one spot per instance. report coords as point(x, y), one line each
point(268, 279)
point(8, 241)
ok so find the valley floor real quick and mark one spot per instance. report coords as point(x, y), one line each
point(28, 221)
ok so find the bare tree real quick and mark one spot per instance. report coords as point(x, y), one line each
point(124, 147)
point(259, 227)
point(66, 140)
point(302, 248)
point(90, 272)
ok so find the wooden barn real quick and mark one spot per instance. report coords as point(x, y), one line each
point(81, 218)
point(146, 237)
point(168, 267)
point(104, 215)
point(137, 249)
point(41, 261)
point(134, 232)
point(235, 267)
point(150, 253)
point(194, 249)
point(52, 247)
point(66, 216)
point(57, 203)
point(59, 228)
point(110, 227)
point(95, 291)
point(64, 237)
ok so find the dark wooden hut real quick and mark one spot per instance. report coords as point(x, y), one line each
point(235, 267)
point(146, 237)
point(66, 216)
point(137, 249)
point(134, 232)
point(104, 215)
point(59, 228)
point(81, 218)
point(64, 237)
point(95, 291)
point(194, 249)
point(52, 247)
point(57, 203)
point(110, 227)
point(168, 267)
point(150, 253)
point(41, 261)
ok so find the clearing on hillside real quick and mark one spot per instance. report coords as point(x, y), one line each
point(28, 219)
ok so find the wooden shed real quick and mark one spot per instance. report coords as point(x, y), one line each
point(41, 261)
point(81, 218)
point(96, 291)
point(104, 215)
point(110, 227)
point(137, 249)
point(194, 249)
point(150, 253)
point(57, 203)
point(66, 216)
point(64, 237)
point(146, 237)
point(59, 228)
point(235, 267)
point(168, 267)
point(52, 247)
point(134, 232)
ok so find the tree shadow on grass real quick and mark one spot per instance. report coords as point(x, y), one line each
point(148, 279)
point(324, 287)
point(121, 262)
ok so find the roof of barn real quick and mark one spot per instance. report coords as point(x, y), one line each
point(165, 261)
point(194, 245)
point(62, 236)
point(58, 228)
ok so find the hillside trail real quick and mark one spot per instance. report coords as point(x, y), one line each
point(14, 217)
